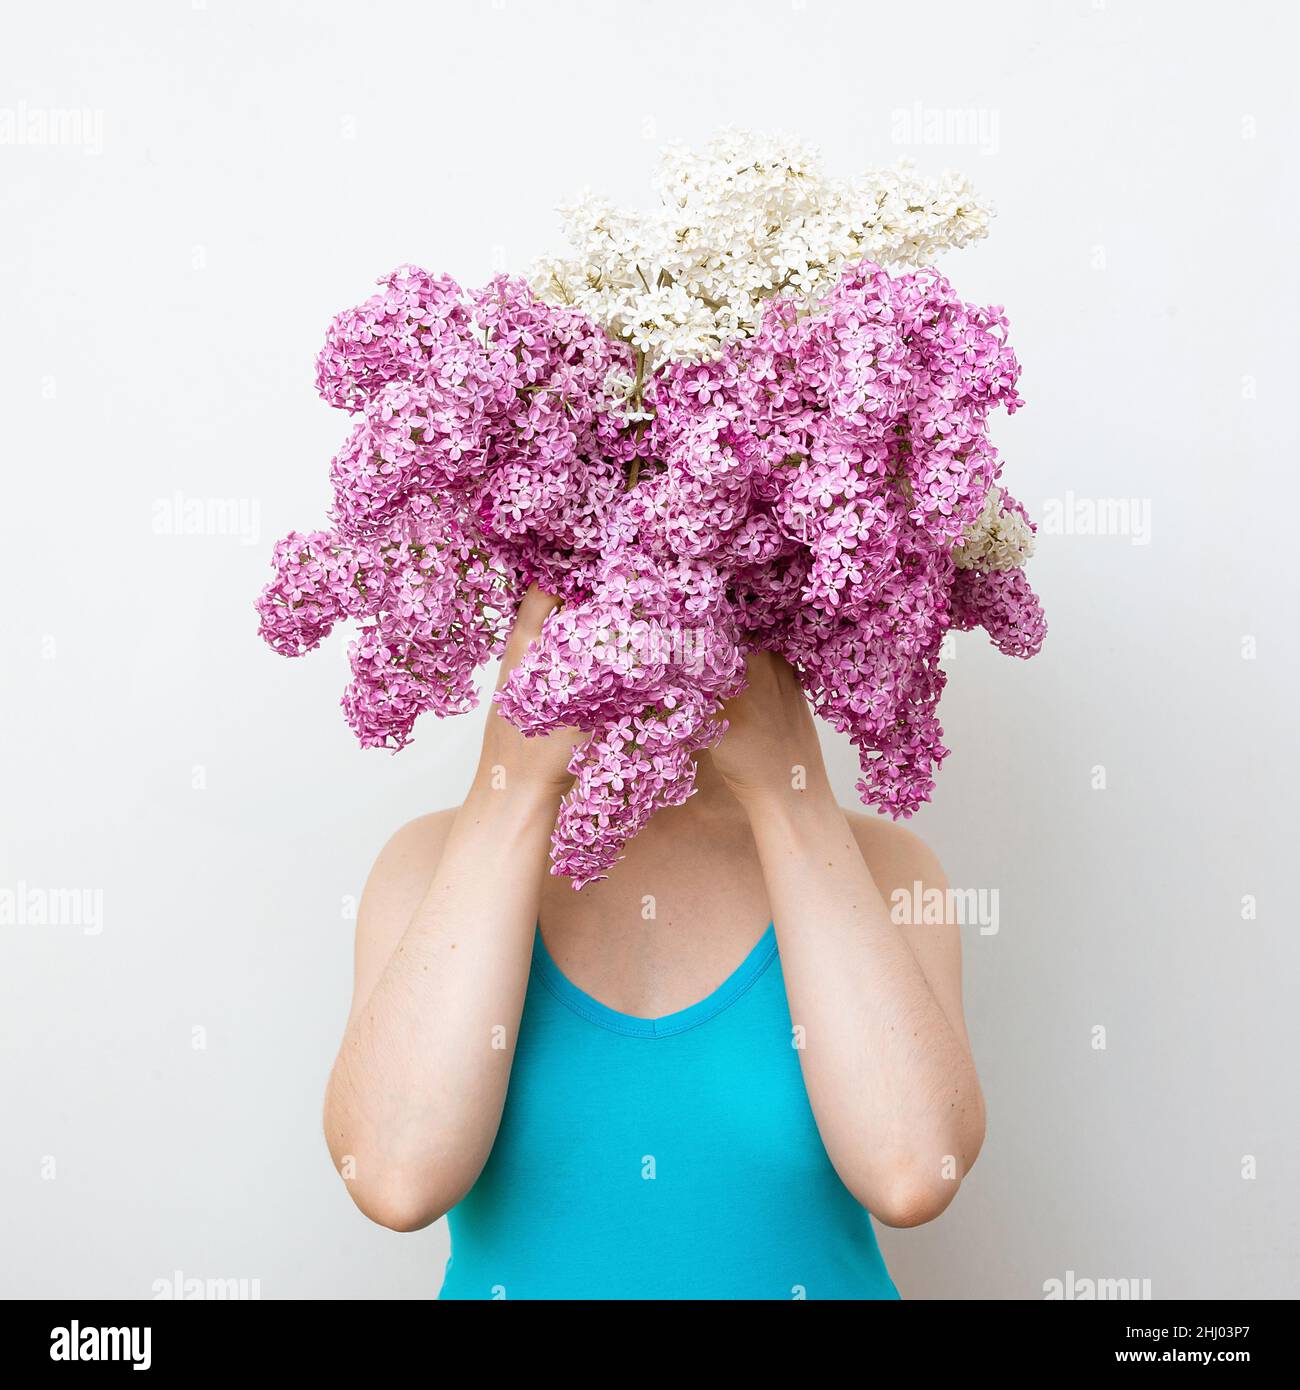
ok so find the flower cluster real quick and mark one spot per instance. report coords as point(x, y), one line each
point(745, 219)
point(811, 473)
point(485, 458)
point(837, 467)
point(430, 604)
point(645, 662)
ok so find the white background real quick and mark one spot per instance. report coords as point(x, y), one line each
point(165, 288)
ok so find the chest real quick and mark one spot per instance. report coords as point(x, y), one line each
point(678, 1164)
point(667, 927)
point(718, 1089)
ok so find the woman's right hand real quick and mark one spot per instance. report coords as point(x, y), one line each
point(509, 759)
point(445, 938)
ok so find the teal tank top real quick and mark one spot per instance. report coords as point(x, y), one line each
point(666, 1158)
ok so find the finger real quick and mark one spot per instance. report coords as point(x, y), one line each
point(534, 607)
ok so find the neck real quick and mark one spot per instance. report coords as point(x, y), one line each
point(712, 797)
point(710, 783)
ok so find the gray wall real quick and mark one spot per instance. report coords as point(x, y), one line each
point(245, 170)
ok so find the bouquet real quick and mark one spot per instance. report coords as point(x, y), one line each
point(753, 418)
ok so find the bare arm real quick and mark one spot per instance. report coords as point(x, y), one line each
point(417, 1090)
point(885, 1057)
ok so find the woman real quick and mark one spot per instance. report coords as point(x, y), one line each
point(691, 1080)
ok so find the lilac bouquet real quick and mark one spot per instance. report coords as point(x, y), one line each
point(721, 427)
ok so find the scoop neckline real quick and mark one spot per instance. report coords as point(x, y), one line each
point(742, 978)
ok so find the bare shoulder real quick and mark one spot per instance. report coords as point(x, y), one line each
point(417, 841)
point(398, 882)
point(402, 869)
point(896, 855)
point(899, 860)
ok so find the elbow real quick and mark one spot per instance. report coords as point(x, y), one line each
point(399, 1196)
point(910, 1191)
point(910, 1200)
point(390, 1196)
point(914, 1190)
point(400, 1204)
point(397, 1209)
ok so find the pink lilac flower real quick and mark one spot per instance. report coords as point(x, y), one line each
point(1003, 604)
point(802, 492)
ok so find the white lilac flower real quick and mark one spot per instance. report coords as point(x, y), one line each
point(1000, 538)
point(746, 218)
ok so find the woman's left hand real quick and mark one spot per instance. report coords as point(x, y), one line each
point(770, 749)
point(883, 1049)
